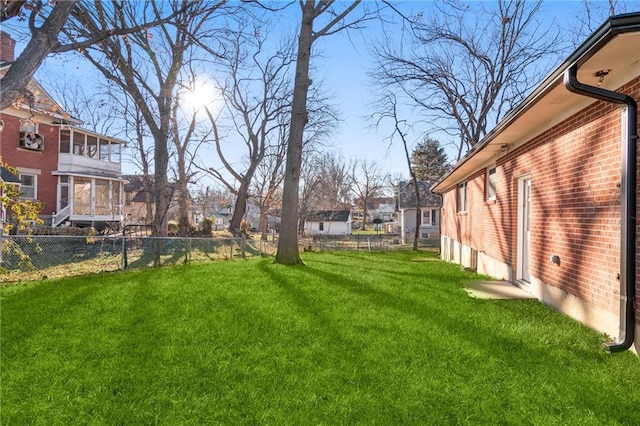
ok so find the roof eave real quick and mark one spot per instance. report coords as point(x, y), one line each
point(608, 30)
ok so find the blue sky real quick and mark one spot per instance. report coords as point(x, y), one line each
point(343, 66)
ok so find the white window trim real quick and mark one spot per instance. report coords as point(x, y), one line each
point(492, 197)
point(462, 186)
point(23, 186)
point(30, 172)
point(429, 217)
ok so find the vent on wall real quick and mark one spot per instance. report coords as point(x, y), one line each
point(33, 141)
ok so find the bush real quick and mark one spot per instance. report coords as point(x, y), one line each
point(173, 228)
point(206, 226)
point(64, 231)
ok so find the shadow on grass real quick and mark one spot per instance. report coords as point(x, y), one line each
point(307, 305)
point(455, 313)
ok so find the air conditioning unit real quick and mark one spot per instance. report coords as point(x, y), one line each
point(33, 141)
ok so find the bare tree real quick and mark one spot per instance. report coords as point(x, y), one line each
point(266, 187)
point(312, 10)
point(147, 66)
point(388, 110)
point(593, 13)
point(45, 21)
point(137, 131)
point(464, 67)
point(334, 177)
point(256, 94)
point(96, 110)
point(186, 137)
point(325, 184)
point(367, 182)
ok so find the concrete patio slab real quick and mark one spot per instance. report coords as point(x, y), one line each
point(496, 290)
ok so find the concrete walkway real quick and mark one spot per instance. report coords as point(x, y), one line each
point(496, 290)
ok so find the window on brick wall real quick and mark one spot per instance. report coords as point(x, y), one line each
point(321, 226)
point(491, 183)
point(462, 197)
point(28, 186)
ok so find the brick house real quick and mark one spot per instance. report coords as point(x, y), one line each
point(547, 199)
point(74, 172)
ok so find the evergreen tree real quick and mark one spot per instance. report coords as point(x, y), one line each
point(428, 160)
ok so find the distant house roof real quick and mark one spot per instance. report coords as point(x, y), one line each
point(141, 197)
point(407, 195)
point(7, 176)
point(376, 202)
point(134, 182)
point(221, 213)
point(329, 216)
point(135, 185)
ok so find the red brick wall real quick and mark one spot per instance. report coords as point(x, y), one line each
point(575, 207)
point(46, 160)
point(635, 91)
point(7, 47)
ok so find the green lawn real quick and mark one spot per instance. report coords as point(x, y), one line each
point(350, 338)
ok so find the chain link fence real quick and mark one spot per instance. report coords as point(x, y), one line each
point(364, 242)
point(35, 257)
point(29, 257)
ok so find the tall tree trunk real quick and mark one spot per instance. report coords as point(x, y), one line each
point(416, 234)
point(43, 39)
point(182, 186)
point(288, 252)
point(242, 196)
point(264, 215)
point(162, 193)
point(148, 196)
point(364, 216)
point(263, 226)
point(240, 209)
point(183, 204)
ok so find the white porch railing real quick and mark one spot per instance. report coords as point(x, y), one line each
point(60, 216)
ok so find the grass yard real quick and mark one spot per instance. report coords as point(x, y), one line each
point(350, 338)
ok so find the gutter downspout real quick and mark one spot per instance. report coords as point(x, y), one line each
point(627, 204)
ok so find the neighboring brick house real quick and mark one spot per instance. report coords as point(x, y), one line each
point(74, 172)
point(328, 222)
point(545, 201)
point(136, 201)
point(430, 204)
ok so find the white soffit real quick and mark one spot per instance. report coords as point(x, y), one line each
point(620, 57)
